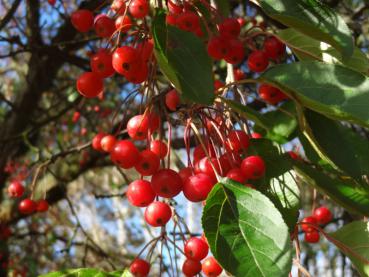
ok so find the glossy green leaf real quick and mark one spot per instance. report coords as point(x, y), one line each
point(279, 124)
point(307, 48)
point(334, 90)
point(346, 193)
point(246, 232)
point(314, 19)
point(346, 149)
point(183, 59)
point(87, 272)
point(355, 237)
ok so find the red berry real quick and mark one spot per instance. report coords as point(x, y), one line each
point(101, 63)
point(191, 268)
point(119, 6)
point(15, 189)
point(140, 193)
point(237, 175)
point(237, 140)
point(171, 19)
point(323, 215)
point(218, 48)
point(238, 74)
point(96, 141)
point(188, 21)
point(139, 8)
point(236, 52)
point(138, 127)
point(307, 224)
point(211, 268)
point(158, 214)
point(76, 116)
point(172, 100)
point(104, 26)
point(140, 75)
point(207, 167)
point(256, 135)
point(149, 163)
point(126, 60)
point(159, 147)
point(139, 268)
point(312, 237)
point(185, 173)
point(199, 152)
point(51, 2)
point(123, 23)
point(197, 187)
point(167, 183)
point(145, 49)
point(274, 48)
point(174, 8)
point(230, 27)
point(253, 167)
point(107, 143)
point(125, 154)
point(196, 249)
point(294, 155)
point(5, 233)
point(27, 206)
point(42, 206)
point(257, 61)
point(271, 95)
point(218, 84)
point(90, 84)
point(82, 20)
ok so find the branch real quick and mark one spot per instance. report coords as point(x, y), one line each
point(8, 16)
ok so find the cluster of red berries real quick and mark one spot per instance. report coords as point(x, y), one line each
point(320, 216)
point(27, 205)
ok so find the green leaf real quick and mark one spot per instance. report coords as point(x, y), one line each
point(87, 272)
point(307, 48)
point(285, 195)
point(355, 236)
point(333, 90)
point(279, 124)
point(223, 7)
point(347, 194)
point(183, 59)
point(353, 154)
point(245, 231)
point(314, 19)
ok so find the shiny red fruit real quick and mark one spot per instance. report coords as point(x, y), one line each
point(237, 175)
point(197, 187)
point(15, 189)
point(96, 141)
point(307, 224)
point(159, 147)
point(256, 135)
point(172, 100)
point(139, 268)
point(145, 49)
point(82, 20)
point(274, 48)
point(218, 48)
point(119, 6)
point(174, 8)
point(140, 193)
point(257, 61)
point(323, 215)
point(171, 19)
point(230, 27)
point(42, 206)
point(239, 74)
point(253, 167)
point(27, 206)
point(167, 183)
point(101, 63)
point(271, 95)
point(236, 52)
point(139, 8)
point(149, 163)
point(207, 167)
point(158, 214)
point(199, 152)
point(312, 237)
point(191, 268)
point(188, 21)
point(125, 154)
point(104, 26)
point(237, 140)
point(123, 23)
point(185, 173)
point(126, 60)
point(140, 75)
point(211, 268)
point(138, 127)
point(107, 143)
point(90, 84)
point(196, 249)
